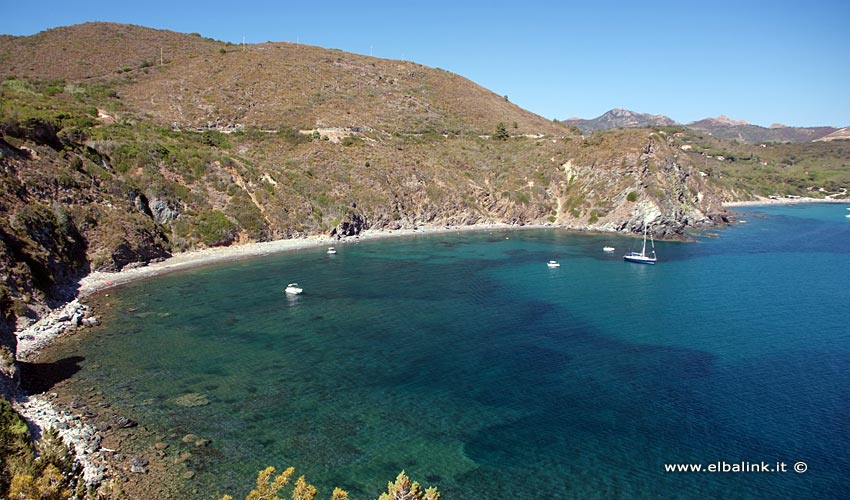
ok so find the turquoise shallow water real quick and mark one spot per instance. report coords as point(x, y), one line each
point(464, 360)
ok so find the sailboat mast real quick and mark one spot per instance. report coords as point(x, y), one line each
point(644, 240)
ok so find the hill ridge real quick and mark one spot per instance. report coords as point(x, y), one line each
point(267, 85)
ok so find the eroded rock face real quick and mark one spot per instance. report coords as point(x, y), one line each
point(351, 225)
point(127, 253)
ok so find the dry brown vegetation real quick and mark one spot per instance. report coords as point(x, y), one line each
point(269, 86)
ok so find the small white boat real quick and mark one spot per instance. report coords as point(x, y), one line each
point(293, 289)
point(848, 216)
point(553, 263)
point(608, 249)
point(331, 250)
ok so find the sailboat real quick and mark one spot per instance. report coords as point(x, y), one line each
point(642, 257)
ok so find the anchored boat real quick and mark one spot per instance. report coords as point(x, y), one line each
point(642, 257)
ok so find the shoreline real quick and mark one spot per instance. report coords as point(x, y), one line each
point(762, 201)
point(99, 280)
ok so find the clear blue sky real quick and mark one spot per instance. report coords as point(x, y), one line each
point(764, 62)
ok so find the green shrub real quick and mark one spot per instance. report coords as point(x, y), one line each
point(269, 485)
point(214, 228)
point(293, 136)
point(350, 140)
point(501, 133)
point(632, 197)
point(51, 476)
point(248, 216)
point(216, 139)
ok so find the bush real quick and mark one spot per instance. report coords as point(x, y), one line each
point(268, 486)
point(632, 197)
point(215, 229)
point(501, 133)
point(216, 139)
point(350, 140)
point(16, 453)
point(48, 477)
point(294, 137)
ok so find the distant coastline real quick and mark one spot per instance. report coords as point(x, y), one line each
point(761, 200)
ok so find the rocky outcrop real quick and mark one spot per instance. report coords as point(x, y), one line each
point(129, 253)
point(34, 337)
point(162, 211)
point(351, 225)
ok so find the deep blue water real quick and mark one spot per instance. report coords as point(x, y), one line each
point(464, 360)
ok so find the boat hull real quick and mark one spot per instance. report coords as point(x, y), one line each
point(639, 259)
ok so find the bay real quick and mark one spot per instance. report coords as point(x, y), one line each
point(464, 360)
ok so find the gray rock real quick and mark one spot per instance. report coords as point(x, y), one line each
point(92, 321)
point(162, 211)
point(124, 422)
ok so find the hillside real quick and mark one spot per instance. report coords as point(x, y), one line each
point(817, 169)
point(269, 86)
point(842, 133)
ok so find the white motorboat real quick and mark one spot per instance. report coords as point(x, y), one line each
point(331, 250)
point(293, 289)
point(608, 249)
point(553, 263)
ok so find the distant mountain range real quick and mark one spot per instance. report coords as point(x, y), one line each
point(722, 127)
point(620, 118)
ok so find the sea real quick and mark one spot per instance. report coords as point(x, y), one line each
point(461, 358)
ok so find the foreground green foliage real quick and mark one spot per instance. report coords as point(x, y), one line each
point(269, 486)
point(16, 451)
point(403, 489)
point(25, 476)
